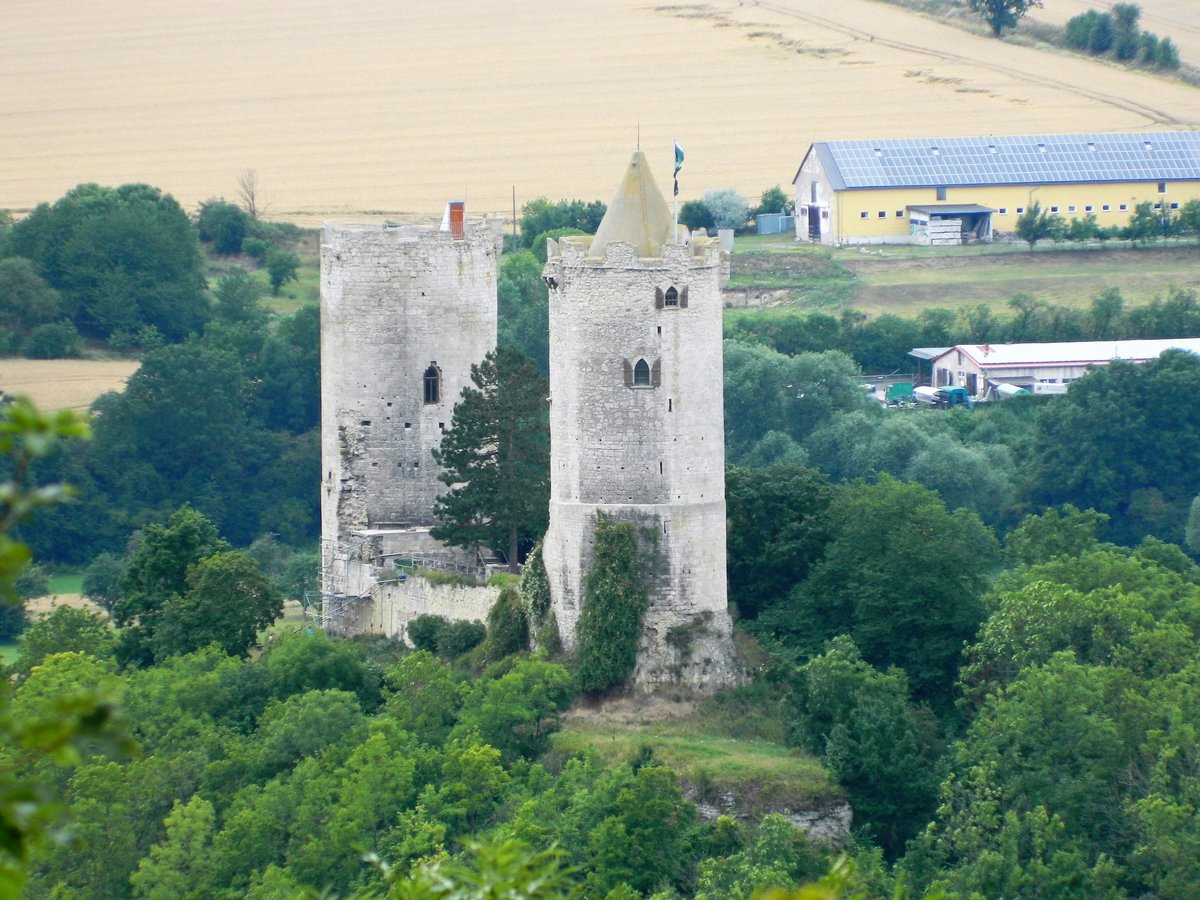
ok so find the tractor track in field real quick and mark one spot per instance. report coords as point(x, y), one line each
point(1156, 116)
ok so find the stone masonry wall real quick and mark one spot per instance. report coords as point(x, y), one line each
point(393, 604)
point(651, 454)
point(395, 301)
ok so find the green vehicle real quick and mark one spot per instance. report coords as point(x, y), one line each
point(900, 392)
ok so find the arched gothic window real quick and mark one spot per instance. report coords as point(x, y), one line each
point(641, 374)
point(433, 383)
point(671, 298)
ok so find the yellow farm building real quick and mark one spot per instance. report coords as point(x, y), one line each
point(964, 189)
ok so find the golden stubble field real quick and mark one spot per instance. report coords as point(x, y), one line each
point(64, 383)
point(387, 108)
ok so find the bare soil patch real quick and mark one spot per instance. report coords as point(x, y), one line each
point(640, 709)
point(64, 383)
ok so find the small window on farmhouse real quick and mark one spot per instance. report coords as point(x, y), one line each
point(882, 214)
point(1054, 209)
point(1020, 210)
point(1124, 207)
point(941, 193)
point(433, 383)
point(1088, 208)
point(1071, 208)
point(863, 214)
point(1105, 208)
point(671, 297)
point(1004, 210)
point(1162, 187)
point(641, 374)
point(1174, 206)
point(899, 214)
point(824, 214)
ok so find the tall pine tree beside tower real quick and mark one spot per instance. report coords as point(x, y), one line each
point(496, 458)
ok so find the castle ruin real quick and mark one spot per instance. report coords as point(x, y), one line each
point(637, 425)
point(636, 417)
point(405, 312)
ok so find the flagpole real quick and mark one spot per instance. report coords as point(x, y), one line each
point(678, 151)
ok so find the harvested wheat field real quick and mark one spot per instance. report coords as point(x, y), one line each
point(40, 607)
point(64, 383)
point(390, 108)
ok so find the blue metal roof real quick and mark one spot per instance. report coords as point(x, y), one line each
point(1031, 159)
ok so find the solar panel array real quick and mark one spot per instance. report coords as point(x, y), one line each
point(1033, 159)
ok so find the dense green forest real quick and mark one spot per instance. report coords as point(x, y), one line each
point(982, 624)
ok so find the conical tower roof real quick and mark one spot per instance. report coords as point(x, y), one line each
point(638, 213)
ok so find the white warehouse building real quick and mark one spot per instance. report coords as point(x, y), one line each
point(1038, 368)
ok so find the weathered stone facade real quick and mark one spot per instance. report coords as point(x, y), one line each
point(391, 604)
point(405, 312)
point(637, 433)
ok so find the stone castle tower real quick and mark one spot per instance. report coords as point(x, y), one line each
point(405, 312)
point(637, 424)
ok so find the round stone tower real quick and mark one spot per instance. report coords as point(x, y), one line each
point(637, 425)
point(405, 312)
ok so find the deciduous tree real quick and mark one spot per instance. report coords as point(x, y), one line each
point(1002, 14)
point(121, 258)
point(902, 575)
point(228, 601)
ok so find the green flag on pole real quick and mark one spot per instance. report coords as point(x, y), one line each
point(678, 165)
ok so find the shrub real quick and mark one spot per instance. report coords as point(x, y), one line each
point(1079, 30)
point(223, 225)
point(507, 627)
point(1100, 38)
point(148, 338)
point(57, 341)
point(728, 207)
point(459, 638)
point(101, 580)
point(34, 581)
point(615, 599)
point(1167, 56)
point(424, 632)
point(535, 587)
point(696, 216)
point(449, 640)
point(281, 267)
point(256, 247)
point(13, 621)
point(774, 200)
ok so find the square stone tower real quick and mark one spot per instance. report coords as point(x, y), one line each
point(405, 312)
point(637, 425)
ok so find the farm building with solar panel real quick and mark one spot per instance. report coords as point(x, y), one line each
point(960, 190)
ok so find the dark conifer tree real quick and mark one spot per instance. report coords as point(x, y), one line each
point(496, 458)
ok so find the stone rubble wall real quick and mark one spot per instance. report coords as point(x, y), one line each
point(392, 604)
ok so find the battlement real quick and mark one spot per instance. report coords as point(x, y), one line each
point(362, 234)
point(696, 251)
